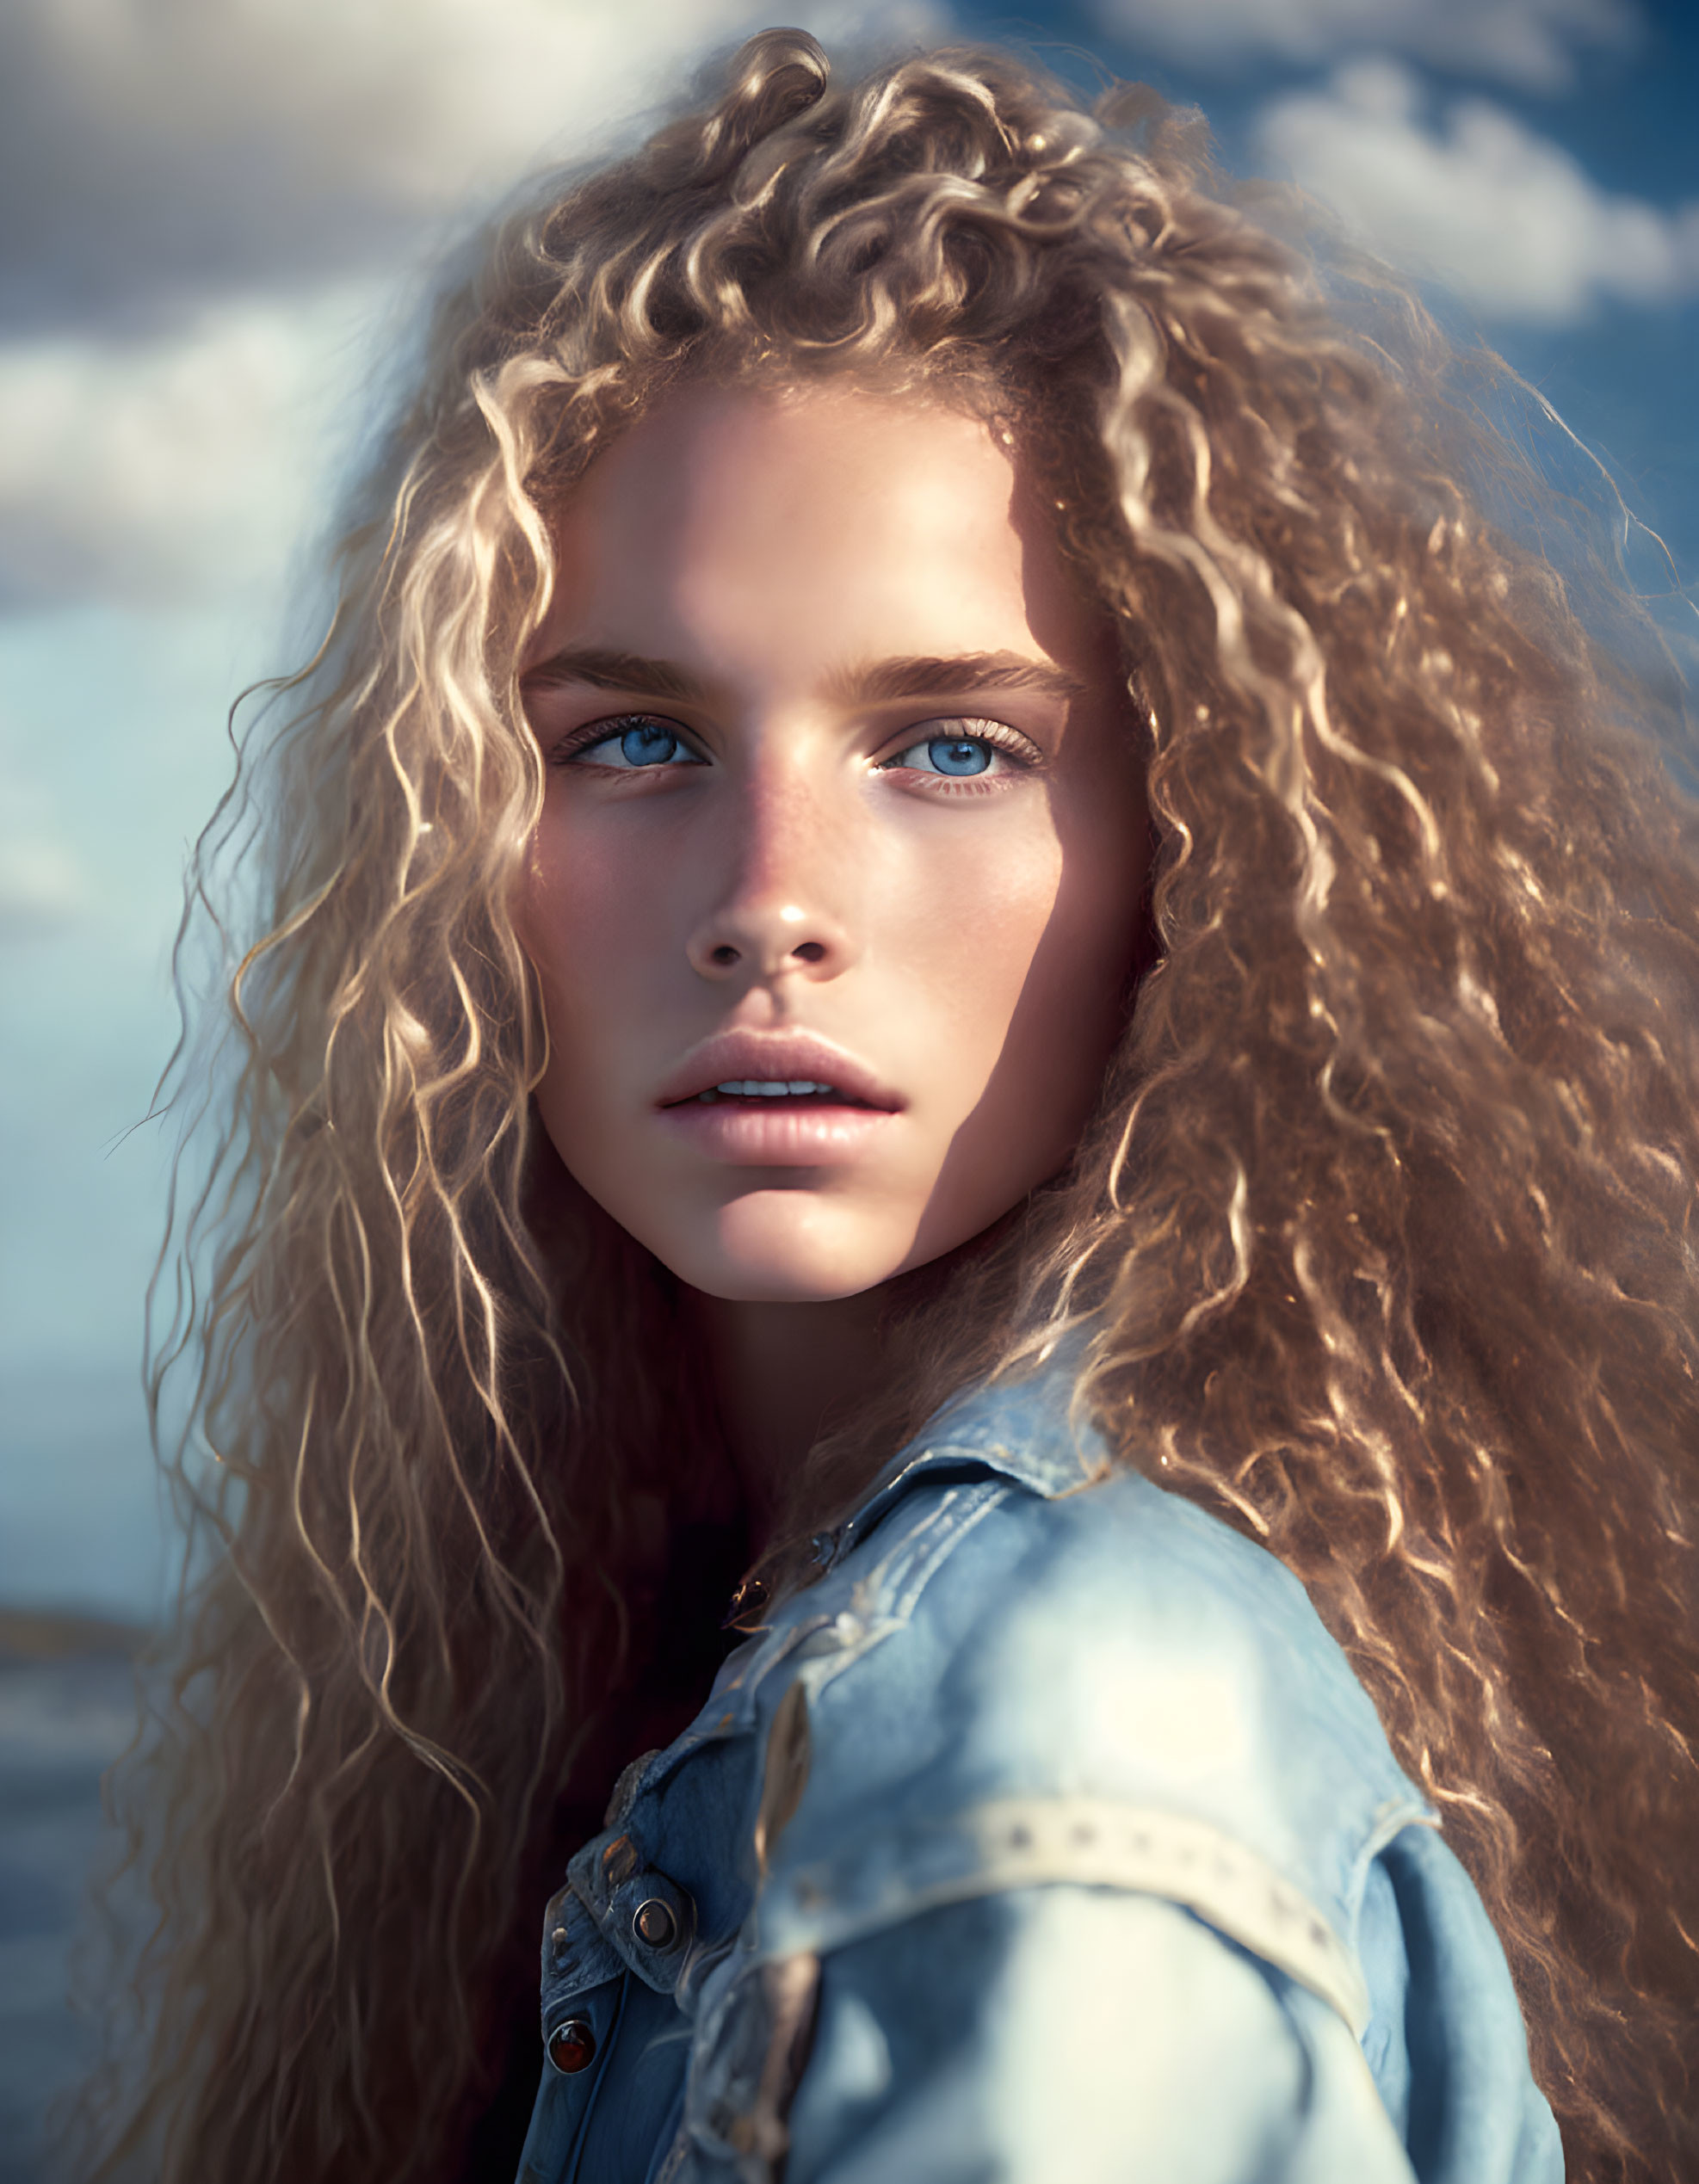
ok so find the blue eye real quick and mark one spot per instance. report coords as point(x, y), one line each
point(959, 755)
point(648, 744)
point(641, 744)
point(953, 754)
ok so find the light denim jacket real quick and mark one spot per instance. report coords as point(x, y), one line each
point(1048, 1839)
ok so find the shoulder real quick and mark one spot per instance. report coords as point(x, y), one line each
point(1117, 1641)
point(1105, 1685)
point(1065, 1605)
point(1178, 1633)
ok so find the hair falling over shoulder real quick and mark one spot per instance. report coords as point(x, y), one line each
point(1388, 1215)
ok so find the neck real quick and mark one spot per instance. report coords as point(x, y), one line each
point(783, 1373)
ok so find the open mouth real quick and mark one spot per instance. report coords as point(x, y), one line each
point(794, 1092)
point(797, 1074)
point(827, 1111)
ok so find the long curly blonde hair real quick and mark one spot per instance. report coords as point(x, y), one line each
point(1387, 1215)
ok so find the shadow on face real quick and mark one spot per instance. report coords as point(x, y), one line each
point(834, 900)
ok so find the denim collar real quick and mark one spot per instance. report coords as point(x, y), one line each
point(1022, 1430)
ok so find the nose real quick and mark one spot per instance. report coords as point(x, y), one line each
point(782, 905)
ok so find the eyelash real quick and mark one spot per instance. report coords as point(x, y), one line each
point(579, 740)
point(1009, 742)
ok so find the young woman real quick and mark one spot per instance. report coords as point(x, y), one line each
point(953, 964)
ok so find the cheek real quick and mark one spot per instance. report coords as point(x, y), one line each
point(593, 939)
point(583, 920)
point(1055, 986)
point(968, 927)
point(563, 895)
point(1024, 938)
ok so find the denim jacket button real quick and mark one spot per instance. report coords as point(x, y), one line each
point(619, 1861)
point(653, 1923)
point(571, 2046)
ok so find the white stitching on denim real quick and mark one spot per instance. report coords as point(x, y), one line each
point(1022, 1842)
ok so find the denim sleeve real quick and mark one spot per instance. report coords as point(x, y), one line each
point(1079, 2033)
point(1086, 1859)
point(1096, 2034)
point(1452, 2066)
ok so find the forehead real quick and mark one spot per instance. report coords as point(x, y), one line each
point(779, 528)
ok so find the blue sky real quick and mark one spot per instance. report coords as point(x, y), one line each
point(214, 219)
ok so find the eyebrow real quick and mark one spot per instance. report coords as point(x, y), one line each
point(966, 673)
point(963, 675)
point(605, 670)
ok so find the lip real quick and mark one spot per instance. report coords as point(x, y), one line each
point(739, 1134)
point(779, 1133)
point(773, 1056)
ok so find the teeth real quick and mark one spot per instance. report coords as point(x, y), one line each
point(764, 1088)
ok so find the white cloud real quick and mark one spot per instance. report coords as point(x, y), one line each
point(1505, 218)
point(1526, 42)
point(158, 150)
point(224, 192)
point(410, 100)
point(184, 465)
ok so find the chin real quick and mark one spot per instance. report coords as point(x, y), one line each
point(759, 1252)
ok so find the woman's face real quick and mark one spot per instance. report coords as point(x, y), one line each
point(834, 897)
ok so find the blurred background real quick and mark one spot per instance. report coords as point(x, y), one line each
point(216, 218)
